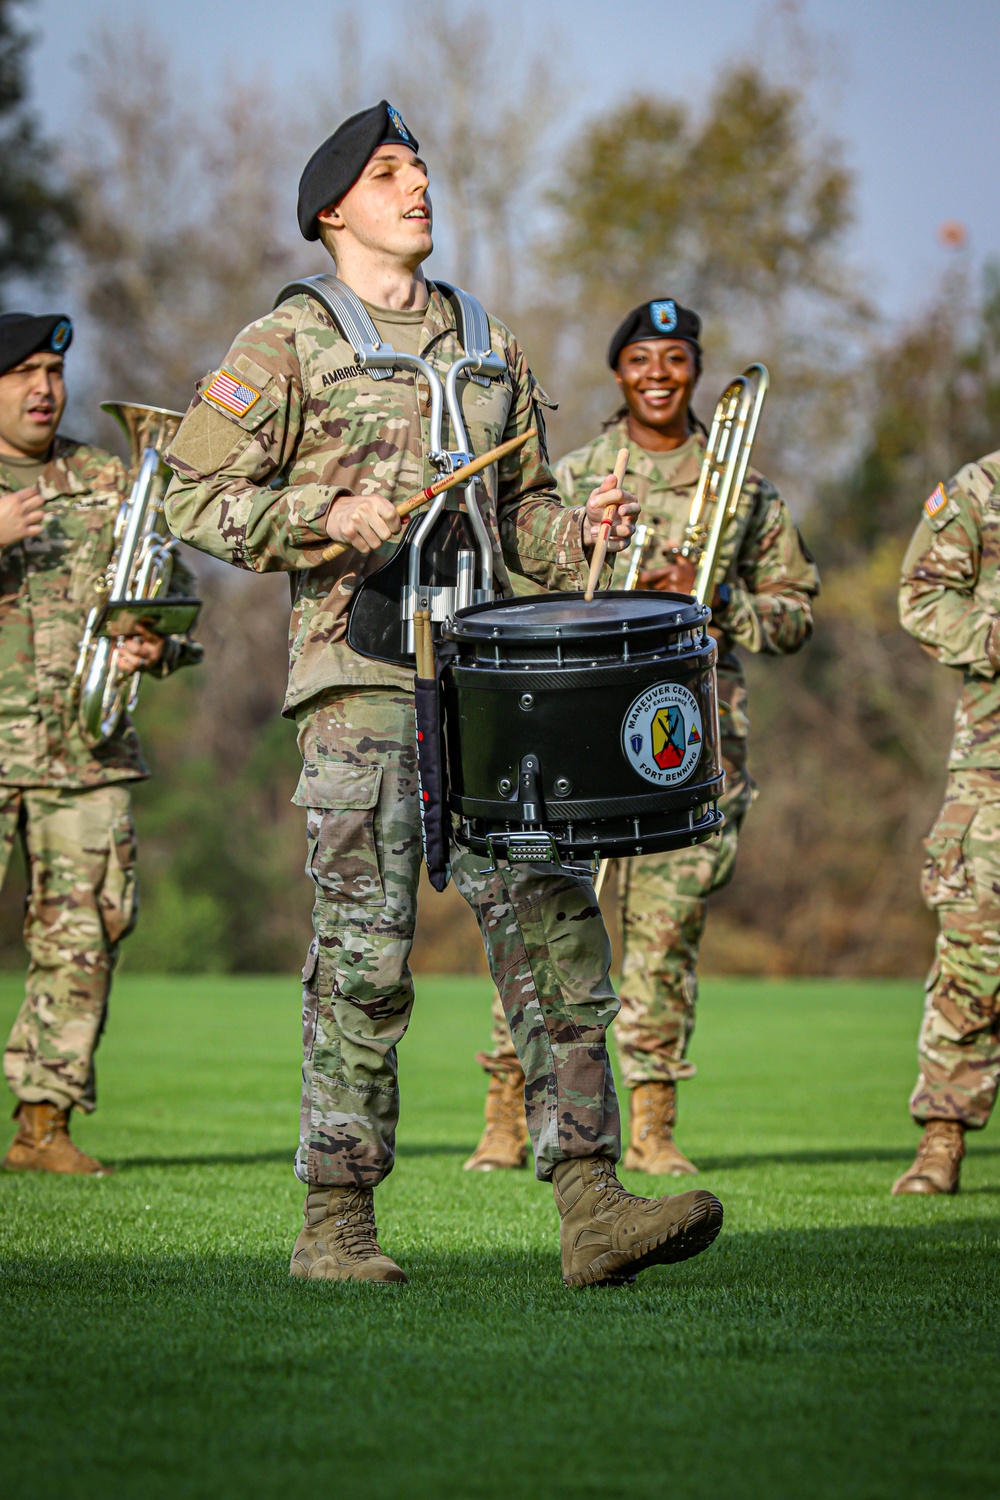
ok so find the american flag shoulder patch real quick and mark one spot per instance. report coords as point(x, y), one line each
point(935, 502)
point(234, 396)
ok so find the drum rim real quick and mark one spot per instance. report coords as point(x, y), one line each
point(463, 626)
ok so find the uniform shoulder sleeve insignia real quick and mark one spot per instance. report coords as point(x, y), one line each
point(935, 502)
point(941, 506)
point(231, 395)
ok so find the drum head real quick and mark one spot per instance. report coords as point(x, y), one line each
point(572, 617)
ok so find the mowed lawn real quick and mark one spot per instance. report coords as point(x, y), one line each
point(834, 1341)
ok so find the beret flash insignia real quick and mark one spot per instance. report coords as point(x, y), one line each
point(61, 335)
point(397, 120)
point(663, 315)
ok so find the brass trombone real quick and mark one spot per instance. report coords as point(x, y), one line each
point(723, 470)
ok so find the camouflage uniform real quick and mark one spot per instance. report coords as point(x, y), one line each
point(254, 488)
point(949, 601)
point(772, 580)
point(68, 803)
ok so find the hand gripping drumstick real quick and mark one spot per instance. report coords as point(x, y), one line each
point(447, 482)
point(601, 545)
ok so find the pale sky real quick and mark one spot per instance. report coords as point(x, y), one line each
point(908, 85)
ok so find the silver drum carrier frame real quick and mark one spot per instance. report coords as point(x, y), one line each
point(381, 360)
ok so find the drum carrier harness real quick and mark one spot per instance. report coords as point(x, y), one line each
point(444, 561)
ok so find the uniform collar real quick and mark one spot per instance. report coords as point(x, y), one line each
point(59, 477)
point(55, 477)
point(677, 469)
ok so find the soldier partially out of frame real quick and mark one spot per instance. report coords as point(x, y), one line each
point(289, 445)
point(67, 801)
point(949, 601)
point(762, 604)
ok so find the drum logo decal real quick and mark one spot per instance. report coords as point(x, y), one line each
point(662, 734)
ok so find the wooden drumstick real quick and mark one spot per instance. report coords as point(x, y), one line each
point(601, 545)
point(446, 482)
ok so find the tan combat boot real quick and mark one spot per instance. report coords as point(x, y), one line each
point(42, 1144)
point(505, 1140)
point(608, 1234)
point(339, 1241)
point(939, 1160)
point(652, 1148)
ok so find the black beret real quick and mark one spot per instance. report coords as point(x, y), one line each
point(335, 167)
point(662, 319)
point(22, 335)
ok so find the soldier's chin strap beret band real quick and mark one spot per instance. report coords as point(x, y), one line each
point(335, 167)
point(22, 335)
point(661, 319)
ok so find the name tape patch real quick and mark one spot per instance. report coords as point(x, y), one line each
point(935, 502)
point(234, 396)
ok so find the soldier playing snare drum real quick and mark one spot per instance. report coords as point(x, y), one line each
point(292, 443)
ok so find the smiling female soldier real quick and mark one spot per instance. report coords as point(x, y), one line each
point(763, 605)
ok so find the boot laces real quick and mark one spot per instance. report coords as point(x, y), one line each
point(654, 1118)
point(511, 1111)
point(606, 1183)
point(938, 1138)
point(356, 1222)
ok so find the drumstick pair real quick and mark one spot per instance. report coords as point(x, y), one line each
point(601, 545)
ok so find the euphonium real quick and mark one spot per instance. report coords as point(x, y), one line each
point(139, 568)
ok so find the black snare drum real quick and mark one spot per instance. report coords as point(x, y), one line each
point(577, 730)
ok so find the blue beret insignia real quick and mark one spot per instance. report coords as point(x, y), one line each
point(401, 129)
point(61, 335)
point(663, 315)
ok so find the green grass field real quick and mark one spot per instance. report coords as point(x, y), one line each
point(834, 1341)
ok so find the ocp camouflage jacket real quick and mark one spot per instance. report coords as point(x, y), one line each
point(254, 489)
point(949, 601)
point(771, 577)
point(47, 588)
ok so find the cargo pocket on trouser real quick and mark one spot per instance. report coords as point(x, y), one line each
point(945, 878)
point(559, 1018)
point(356, 994)
point(118, 897)
point(342, 856)
point(981, 856)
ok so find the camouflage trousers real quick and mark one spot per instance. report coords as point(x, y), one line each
point(80, 852)
point(663, 899)
point(545, 939)
point(959, 1046)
